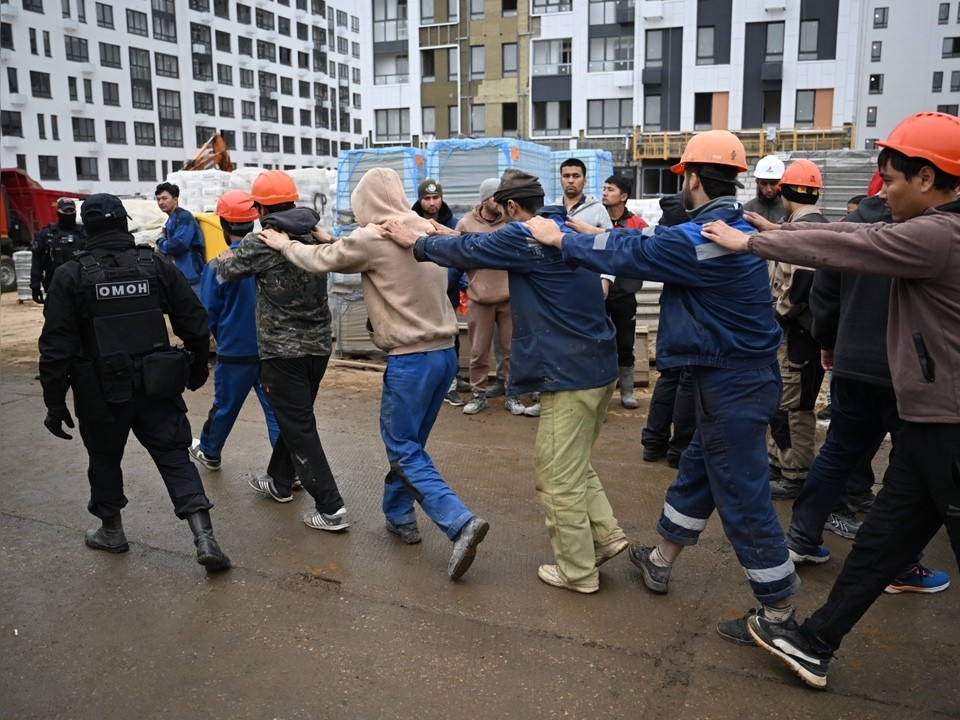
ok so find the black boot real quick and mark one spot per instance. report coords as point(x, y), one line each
point(209, 553)
point(109, 537)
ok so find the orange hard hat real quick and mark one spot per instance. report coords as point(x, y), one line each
point(803, 173)
point(274, 187)
point(713, 147)
point(236, 206)
point(932, 136)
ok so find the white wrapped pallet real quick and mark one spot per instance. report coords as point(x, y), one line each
point(409, 163)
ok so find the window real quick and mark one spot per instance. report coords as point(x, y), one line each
point(246, 78)
point(343, 45)
point(949, 109)
point(476, 9)
point(955, 81)
point(40, 84)
point(654, 49)
point(393, 124)
point(289, 144)
point(72, 88)
point(355, 23)
point(11, 123)
point(426, 12)
point(509, 59)
point(137, 23)
point(13, 84)
point(243, 14)
point(49, 167)
point(355, 49)
point(651, 112)
point(88, 91)
point(303, 60)
point(453, 64)
point(248, 110)
point(76, 48)
point(705, 44)
point(104, 16)
point(951, 47)
point(41, 127)
point(168, 109)
point(872, 116)
point(286, 86)
point(144, 133)
point(110, 55)
point(611, 53)
point(111, 94)
point(478, 119)
point(306, 119)
point(805, 104)
point(223, 41)
point(32, 34)
point(286, 56)
point(809, 30)
point(200, 5)
point(283, 26)
point(771, 108)
point(429, 121)
point(303, 89)
point(453, 10)
point(203, 134)
point(203, 103)
point(270, 142)
point(46, 44)
point(551, 57)
point(774, 43)
point(286, 115)
point(356, 100)
point(541, 7)
point(355, 75)
point(250, 141)
point(453, 119)
point(551, 118)
point(54, 128)
point(943, 15)
point(33, 6)
point(880, 18)
point(476, 62)
point(6, 36)
point(245, 46)
point(221, 8)
point(167, 65)
point(116, 132)
point(509, 118)
point(164, 20)
point(875, 84)
point(428, 65)
point(264, 19)
point(306, 147)
point(84, 130)
point(609, 117)
point(266, 50)
point(118, 168)
point(876, 49)
point(224, 74)
point(703, 111)
point(937, 81)
point(147, 170)
point(87, 168)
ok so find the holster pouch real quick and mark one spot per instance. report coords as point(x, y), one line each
point(116, 377)
point(165, 374)
point(88, 401)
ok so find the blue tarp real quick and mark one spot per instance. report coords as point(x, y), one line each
point(410, 164)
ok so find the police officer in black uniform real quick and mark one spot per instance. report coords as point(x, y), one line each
point(55, 244)
point(104, 335)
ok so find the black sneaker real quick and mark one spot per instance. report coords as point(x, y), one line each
point(408, 532)
point(263, 483)
point(453, 397)
point(787, 642)
point(496, 390)
point(783, 489)
point(654, 576)
point(736, 630)
point(652, 454)
point(843, 523)
point(465, 546)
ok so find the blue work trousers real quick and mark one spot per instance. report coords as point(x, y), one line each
point(232, 383)
point(413, 390)
point(861, 414)
point(725, 468)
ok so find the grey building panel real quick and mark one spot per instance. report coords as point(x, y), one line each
point(549, 88)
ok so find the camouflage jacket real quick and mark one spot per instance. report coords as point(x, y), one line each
point(293, 316)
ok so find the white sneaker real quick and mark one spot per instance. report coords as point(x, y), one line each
point(322, 521)
point(197, 454)
point(477, 403)
point(514, 406)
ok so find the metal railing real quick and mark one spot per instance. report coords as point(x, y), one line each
point(756, 143)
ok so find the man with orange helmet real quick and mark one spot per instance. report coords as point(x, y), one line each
point(920, 167)
point(293, 341)
point(231, 312)
point(716, 319)
point(793, 432)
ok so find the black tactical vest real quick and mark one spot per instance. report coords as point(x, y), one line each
point(124, 303)
point(61, 246)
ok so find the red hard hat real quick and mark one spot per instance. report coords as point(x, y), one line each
point(274, 187)
point(236, 206)
point(932, 136)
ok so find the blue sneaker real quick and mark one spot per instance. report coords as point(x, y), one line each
point(817, 556)
point(918, 579)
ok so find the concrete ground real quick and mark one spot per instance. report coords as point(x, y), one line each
point(309, 624)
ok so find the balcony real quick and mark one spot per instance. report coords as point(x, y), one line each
point(670, 145)
point(17, 99)
point(9, 11)
point(77, 107)
point(652, 9)
point(396, 79)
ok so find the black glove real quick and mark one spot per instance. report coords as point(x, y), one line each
point(199, 372)
point(37, 296)
point(56, 416)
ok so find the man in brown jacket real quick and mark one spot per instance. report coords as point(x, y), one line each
point(488, 306)
point(414, 324)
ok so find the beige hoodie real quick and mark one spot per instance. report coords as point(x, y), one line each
point(486, 287)
point(406, 300)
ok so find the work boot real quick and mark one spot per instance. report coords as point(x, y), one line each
point(109, 537)
point(626, 389)
point(209, 553)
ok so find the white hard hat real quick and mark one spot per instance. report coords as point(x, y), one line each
point(770, 167)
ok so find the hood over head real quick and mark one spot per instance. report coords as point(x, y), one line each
point(379, 196)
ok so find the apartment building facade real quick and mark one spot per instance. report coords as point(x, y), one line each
point(111, 96)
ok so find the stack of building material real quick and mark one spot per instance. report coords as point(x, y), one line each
point(200, 189)
point(408, 162)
